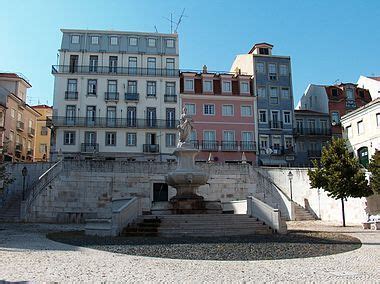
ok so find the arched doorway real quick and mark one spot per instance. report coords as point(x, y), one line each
point(363, 156)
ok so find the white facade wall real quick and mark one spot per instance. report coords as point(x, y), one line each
point(315, 99)
point(372, 85)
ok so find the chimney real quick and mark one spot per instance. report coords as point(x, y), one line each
point(204, 69)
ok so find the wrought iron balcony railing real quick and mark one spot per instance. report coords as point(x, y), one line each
point(247, 146)
point(89, 147)
point(111, 96)
point(229, 146)
point(313, 131)
point(151, 148)
point(20, 125)
point(131, 71)
point(105, 122)
point(131, 96)
point(31, 131)
point(276, 124)
point(69, 95)
point(170, 98)
point(209, 145)
point(18, 147)
point(314, 153)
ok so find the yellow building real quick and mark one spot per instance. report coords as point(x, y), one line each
point(42, 142)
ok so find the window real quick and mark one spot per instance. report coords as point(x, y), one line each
point(228, 135)
point(170, 63)
point(378, 119)
point(361, 93)
point(244, 87)
point(334, 92)
point(350, 94)
point(132, 87)
point(360, 127)
point(133, 41)
point(111, 116)
point(170, 118)
point(209, 135)
point(260, 67)
point(72, 85)
point(283, 70)
point(94, 40)
point(151, 117)
point(131, 116)
point(273, 95)
point(227, 110)
point(151, 65)
point(110, 138)
point(226, 86)
point(272, 71)
point(170, 43)
point(285, 93)
point(264, 142)
point(131, 139)
point(288, 142)
point(349, 131)
point(190, 109)
point(113, 64)
point(207, 85)
point(93, 63)
point(170, 139)
point(246, 110)
point(151, 88)
point(301, 146)
point(91, 87)
point(263, 50)
point(44, 131)
point(11, 136)
point(151, 42)
point(247, 136)
point(69, 138)
point(287, 119)
point(90, 115)
point(43, 148)
point(75, 39)
point(113, 40)
point(261, 92)
point(170, 88)
point(209, 109)
point(262, 116)
point(13, 113)
point(189, 85)
point(132, 62)
point(335, 118)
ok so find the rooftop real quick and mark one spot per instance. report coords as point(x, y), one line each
point(375, 78)
point(42, 106)
point(375, 101)
point(112, 32)
point(15, 76)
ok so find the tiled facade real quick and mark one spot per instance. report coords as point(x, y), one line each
point(312, 132)
point(19, 122)
point(274, 107)
point(222, 106)
point(42, 143)
point(116, 95)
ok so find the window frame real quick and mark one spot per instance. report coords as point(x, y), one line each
point(232, 109)
point(73, 134)
point(75, 36)
point(248, 87)
point(272, 97)
point(204, 108)
point(192, 104)
point(88, 88)
point(97, 40)
point(230, 84)
point(150, 40)
point(260, 111)
point(185, 85)
point(281, 69)
point(133, 134)
point(246, 106)
point(114, 38)
point(168, 145)
point(107, 135)
point(170, 40)
point(133, 38)
point(259, 70)
point(211, 84)
point(153, 84)
point(284, 115)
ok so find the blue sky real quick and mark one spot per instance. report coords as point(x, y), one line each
point(327, 40)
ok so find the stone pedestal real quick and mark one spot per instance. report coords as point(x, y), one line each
point(187, 178)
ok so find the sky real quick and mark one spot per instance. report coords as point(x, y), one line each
point(328, 41)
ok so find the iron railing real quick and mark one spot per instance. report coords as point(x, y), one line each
point(111, 96)
point(110, 70)
point(170, 98)
point(210, 145)
point(71, 95)
point(276, 124)
point(131, 96)
point(89, 147)
point(20, 125)
point(313, 131)
point(229, 146)
point(31, 131)
point(151, 148)
point(247, 146)
point(314, 153)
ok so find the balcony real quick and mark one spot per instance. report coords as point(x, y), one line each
point(111, 96)
point(30, 152)
point(89, 147)
point(314, 153)
point(131, 96)
point(71, 95)
point(247, 146)
point(20, 126)
point(312, 131)
point(210, 145)
point(31, 131)
point(104, 122)
point(276, 124)
point(151, 148)
point(195, 143)
point(351, 104)
point(18, 147)
point(170, 98)
point(229, 146)
point(129, 71)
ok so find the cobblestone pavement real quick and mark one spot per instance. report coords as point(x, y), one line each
point(26, 255)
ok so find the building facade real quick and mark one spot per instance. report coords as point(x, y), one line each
point(272, 81)
point(312, 132)
point(362, 131)
point(19, 122)
point(116, 95)
point(370, 83)
point(335, 100)
point(42, 140)
point(222, 106)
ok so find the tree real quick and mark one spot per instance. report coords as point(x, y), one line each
point(374, 168)
point(5, 177)
point(339, 174)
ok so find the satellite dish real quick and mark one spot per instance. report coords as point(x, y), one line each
point(269, 151)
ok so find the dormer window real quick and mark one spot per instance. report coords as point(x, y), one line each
point(152, 42)
point(244, 87)
point(75, 39)
point(350, 94)
point(334, 92)
point(207, 85)
point(361, 93)
point(189, 85)
point(226, 87)
point(94, 40)
point(170, 43)
point(264, 51)
point(113, 40)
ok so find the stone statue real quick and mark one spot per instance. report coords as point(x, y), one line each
point(185, 127)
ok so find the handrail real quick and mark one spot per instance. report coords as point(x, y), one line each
point(124, 214)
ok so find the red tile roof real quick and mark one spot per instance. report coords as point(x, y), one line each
point(15, 76)
point(375, 78)
point(41, 106)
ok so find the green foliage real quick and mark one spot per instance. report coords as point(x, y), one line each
point(374, 168)
point(339, 173)
point(4, 176)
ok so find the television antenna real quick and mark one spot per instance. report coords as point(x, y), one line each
point(176, 23)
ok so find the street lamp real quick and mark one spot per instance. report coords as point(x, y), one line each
point(290, 176)
point(24, 172)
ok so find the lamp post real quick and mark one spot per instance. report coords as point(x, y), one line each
point(24, 172)
point(290, 176)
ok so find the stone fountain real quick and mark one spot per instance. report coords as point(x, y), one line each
point(187, 178)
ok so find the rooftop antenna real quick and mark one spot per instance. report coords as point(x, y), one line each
point(176, 23)
point(180, 20)
point(155, 28)
point(336, 81)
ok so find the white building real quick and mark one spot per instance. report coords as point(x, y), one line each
point(362, 130)
point(370, 83)
point(116, 95)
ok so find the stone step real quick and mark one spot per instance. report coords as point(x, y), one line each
point(98, 227)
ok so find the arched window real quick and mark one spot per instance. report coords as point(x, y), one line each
point(363, 156)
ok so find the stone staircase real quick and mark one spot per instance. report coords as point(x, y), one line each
point(302, 214)
point(11, 211)
point(197, 225)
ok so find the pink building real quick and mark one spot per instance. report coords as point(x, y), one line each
point(222, 106)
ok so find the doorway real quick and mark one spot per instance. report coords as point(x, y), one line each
point(160, 192)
